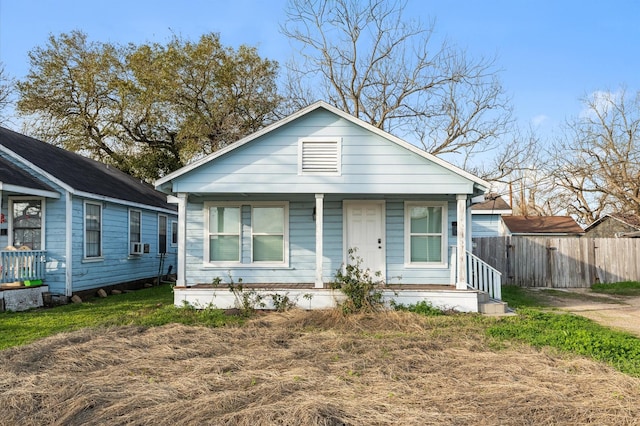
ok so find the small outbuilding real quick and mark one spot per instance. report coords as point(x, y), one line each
point(614, 225)
point(541, 226)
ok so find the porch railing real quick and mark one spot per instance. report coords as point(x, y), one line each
point(480, 275)
point(22, 265)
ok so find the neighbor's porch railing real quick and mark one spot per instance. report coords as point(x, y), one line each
point(480, 275)
point(21, 265)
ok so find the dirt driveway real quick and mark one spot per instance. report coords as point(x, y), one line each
point(619, 312)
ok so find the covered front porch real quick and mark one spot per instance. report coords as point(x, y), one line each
point(22, 275)
point(481, 295)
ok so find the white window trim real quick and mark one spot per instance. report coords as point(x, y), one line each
point(166, 232)
point(444, 261)
point(245, 234)
point(285, 232)
point(84, 226)
point(43, 208)
point(129, 232)
point(171, 242)
point(206, 233)
point(336, 140)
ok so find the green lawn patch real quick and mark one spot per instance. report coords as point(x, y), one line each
point(522, 297)
point(147, 307)
point(624, 288)
point(574, 334)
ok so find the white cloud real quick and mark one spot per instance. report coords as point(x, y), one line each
point(600, 101)
point(539, 120)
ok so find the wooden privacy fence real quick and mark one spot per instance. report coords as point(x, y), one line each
point(561, 262)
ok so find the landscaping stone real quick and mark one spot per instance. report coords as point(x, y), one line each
point(76, 299)
point(116, 291)
point(102, 293)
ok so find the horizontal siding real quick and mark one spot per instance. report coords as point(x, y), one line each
point(370, 164)
point(117, 266)
point(485, 225)
point(55, 230)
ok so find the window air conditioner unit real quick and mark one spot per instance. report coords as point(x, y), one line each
point(136, 248)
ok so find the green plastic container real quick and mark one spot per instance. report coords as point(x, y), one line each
point(32, 283)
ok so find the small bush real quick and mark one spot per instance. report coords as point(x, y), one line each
point(246, 301)
point(362, 287)
point(282, 302)
point(423, 308)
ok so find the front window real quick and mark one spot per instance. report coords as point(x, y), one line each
point(92, 230)
point(252, 235)
point(27, 223)
point(224, 234)
point(135, 246)
point(174, 234)
point(162, 233)
point(425, 232)
point(268, 234)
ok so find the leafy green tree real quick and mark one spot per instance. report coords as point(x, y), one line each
point(147, 109)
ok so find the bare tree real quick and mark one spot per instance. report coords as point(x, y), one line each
point(6, 90)
point(366, 59)
point(519, 172)
point(598, 160)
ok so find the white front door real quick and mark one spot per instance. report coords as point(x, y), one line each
point(365, 232)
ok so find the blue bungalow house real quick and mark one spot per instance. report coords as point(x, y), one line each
point(282, 208)
point(75, 224)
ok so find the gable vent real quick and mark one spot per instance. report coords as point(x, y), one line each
point(319, 156)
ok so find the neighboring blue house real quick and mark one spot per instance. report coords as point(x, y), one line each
point(75, 223)
point(486, 216)
point(281, 208)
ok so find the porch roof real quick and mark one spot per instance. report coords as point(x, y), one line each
point(14, 179)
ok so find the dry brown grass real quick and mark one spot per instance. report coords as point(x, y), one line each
point(306, 368)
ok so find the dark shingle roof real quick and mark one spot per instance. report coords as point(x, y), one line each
point(629, 219)
point(13, 175)
point(81, 173)
point(542, 225)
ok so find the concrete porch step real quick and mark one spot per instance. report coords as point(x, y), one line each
point(493, 307)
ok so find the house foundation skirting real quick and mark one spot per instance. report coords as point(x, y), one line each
point(22, 298)
point(309, 298)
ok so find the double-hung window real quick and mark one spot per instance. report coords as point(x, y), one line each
point(425, 234)
point(27, 222)
point(268, 234)
point(135, 231)
point(252, 234)
point(174, 233)
point(162, 233)
point(92, 230)
point(223, 229)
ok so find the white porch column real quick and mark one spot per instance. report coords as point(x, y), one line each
point(68, 274)
point(461, 283)
point(182, 240)
point(319, 215)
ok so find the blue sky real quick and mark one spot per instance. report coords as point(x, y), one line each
point(550, 52)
